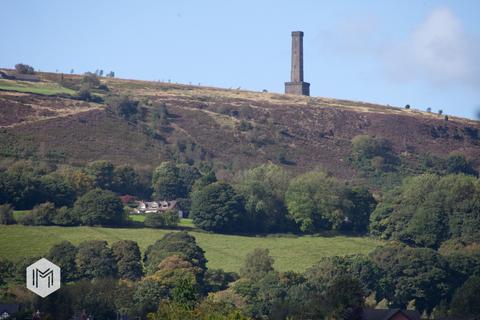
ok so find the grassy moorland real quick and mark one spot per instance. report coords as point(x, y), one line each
point(222, 251)
point(45, 88)
point(233, 128)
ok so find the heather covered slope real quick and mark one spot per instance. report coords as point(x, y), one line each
point(234, 129)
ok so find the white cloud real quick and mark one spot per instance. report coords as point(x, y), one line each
point(439, 50)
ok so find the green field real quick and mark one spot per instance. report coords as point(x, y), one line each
point(34, 87)
point(222, 251)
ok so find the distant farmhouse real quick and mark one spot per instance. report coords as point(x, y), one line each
point(159, 207)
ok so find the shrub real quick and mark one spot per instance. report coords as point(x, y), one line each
point(217, 279)
point(124, 106)
point(245, 125)
point(6, 214)
point(85, 94)
point(24, 68)
point(41, 215)
point(373, 154)
point(168, 218)
point(65, 216)
point(257, 264)
point(90, 80)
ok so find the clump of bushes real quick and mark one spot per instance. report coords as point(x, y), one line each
point(6, 214)
point(24, 68)
point(372, 154)
point(124, 107)
point(169, 218)
point(90, 82)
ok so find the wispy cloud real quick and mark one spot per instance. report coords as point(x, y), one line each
point(439, 51)
point(352, 36)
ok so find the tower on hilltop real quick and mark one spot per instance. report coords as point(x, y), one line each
point(296, 84)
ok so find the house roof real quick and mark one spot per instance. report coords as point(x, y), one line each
point(387, 314)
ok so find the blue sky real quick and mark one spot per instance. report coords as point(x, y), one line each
point(424, 53)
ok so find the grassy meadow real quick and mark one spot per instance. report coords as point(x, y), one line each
point(222, 251)
point(46, 88)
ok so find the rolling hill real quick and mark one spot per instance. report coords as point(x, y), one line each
point(234, 129)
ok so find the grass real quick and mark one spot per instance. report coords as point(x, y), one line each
point(137, 217)
point(184, 223)
point(46, 88)
point(19, 213)
point(222, 251)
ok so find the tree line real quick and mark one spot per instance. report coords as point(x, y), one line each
point(424, 210)
point(172, 281)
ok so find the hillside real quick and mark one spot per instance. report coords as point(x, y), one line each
point(232, 128)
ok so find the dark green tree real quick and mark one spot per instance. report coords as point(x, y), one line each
point(263, 189)
point(466, 300)
point(172, 181)
point(54, 189)
point(95, 259)
point(344, 298)
point(63, 255)
point(359, 204)
point(317, 202)
point(359, 267)
point(99, 207)
point(126, 181)
point(179, 244)
point(96, 298)
point(7, 271)
point(429, 209)
point(184, 293)
point(218, 208)
point(148, 295)
point(65, 216)
point(166, 182)
point(458, 163)
point(103, 173)
point(418, 274)
point(129, 259)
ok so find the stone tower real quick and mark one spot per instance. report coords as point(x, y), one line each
point(296, 84)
